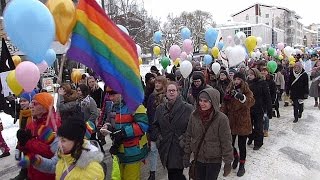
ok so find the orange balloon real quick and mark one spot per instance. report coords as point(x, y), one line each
point(64, 14)
point(76, 76)
point(16, 60)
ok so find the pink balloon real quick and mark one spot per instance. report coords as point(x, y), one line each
point(187, 46)
point(183, 56)
point(174, 52)
point(42, 66)
point(280, 46)
point(229, 40)
point(28, 75)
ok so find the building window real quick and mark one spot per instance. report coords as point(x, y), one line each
point(267, 15)
point(246, 30)
point(247, 17)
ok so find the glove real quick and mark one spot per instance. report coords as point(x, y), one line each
point(23, 136)
point(118, 135)
point(226, 169)
point(239, 96)
point(114, 149)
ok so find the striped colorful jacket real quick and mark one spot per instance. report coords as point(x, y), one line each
point(135, 146)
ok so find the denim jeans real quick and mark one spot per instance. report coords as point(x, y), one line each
point(265, 122)
point(153, 156)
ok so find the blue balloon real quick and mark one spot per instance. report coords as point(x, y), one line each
point(220, 45)
point(50, 57)
point(207, 59)
point(185, 33)
point(30, 26)
point(211, 37)
point(157, 37)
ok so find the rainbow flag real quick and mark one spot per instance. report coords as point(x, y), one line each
point(98, 43)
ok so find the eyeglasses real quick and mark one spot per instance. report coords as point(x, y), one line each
point(171, 90)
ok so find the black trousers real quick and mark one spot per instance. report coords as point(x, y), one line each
point(242, 144)
point(297, 108)
point(207, 171)
point(257, 128)
point(176, 174)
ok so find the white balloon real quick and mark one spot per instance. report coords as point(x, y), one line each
point(189, 57)
point(263, 47)
point(138, 50)
point(259, 41)
point(185, 68)
point(258, 54)
point(288, 51)
point(241, 36)
point(216, 67)
point(101, 85)
point(253, 55)
point(236, 55)
point(125, 30)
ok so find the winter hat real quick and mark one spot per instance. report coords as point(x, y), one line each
point(28, 96)
point(231, 70)
point(72, 129)
point(204, 95)
point(239, 75)
point(148, 76)
point(45, 99)
point(224, 72)
point(178, 73)
point(171, 77)
point(154, 68)
point(198, 75)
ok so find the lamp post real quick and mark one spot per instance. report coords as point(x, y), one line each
point(272, 28)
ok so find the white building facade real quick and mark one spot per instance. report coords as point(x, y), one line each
point(259, 30)
point(277, 17)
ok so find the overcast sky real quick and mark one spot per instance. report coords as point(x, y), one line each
point(221, 10)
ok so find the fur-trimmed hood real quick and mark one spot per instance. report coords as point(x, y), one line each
point(89, 156)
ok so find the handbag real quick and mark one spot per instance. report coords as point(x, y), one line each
point(192, 168)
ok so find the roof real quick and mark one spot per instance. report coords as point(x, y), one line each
point(309, 31)
point(264, 5)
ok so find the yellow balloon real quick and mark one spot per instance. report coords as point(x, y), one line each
point(215, 52)
point(292, 63)
point(140, 61)
point(64, 15)
point(205, 48)
point(76, 76)
point(291, 58)
point(13, 84)
point(280, 57)
point(177, 62)
point(16, 60)
point(250, 43)
point(156, 50)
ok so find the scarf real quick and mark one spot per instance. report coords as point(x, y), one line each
point(158, 97)
point(205, 115)
point(25, 115)
point(196, 90)
point(296, 74)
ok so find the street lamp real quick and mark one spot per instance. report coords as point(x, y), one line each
point(272, 30)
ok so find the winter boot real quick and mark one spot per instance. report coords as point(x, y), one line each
point(241, 170)
point(5, 154)
point(249, 141)
point(265, 133)
point(316, 104)
point(295, 120)
point(152, 175)
point(235, 161)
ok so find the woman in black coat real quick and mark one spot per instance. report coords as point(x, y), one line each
point(170, 123)
point(298, 89)
point(262, 105)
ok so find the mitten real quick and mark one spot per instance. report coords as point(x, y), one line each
point(23, 136)
point(46, 134)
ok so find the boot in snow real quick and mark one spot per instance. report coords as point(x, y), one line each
point(241, 170)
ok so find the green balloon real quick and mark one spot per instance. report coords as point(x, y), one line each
point(271, 51)
point(165, 62)
point(272, 66)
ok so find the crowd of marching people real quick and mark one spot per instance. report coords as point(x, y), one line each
point(191, 122)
